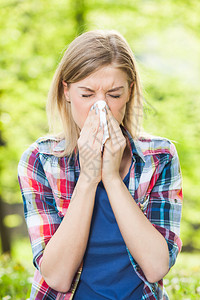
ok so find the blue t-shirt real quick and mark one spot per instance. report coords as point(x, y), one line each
point(107, 271)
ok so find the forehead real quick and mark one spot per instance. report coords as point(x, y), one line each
point(105, 77)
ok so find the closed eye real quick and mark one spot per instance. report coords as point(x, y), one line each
point(90, 95)
point(115, 96)
point(86, 96)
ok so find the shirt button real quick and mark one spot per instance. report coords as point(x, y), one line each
point(137, 268)
point(141, 206)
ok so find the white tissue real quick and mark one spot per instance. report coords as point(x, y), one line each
point(100, 105)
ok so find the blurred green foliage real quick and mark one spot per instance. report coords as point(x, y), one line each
point(16, 273)
point(164, 36)
point(179, 283)
point(15, 280)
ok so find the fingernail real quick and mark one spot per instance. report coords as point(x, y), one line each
point(107, 109)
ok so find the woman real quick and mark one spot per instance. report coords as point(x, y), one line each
point(103, 225)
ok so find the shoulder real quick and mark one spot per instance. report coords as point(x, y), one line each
point(151, 145)
point(42, 147)
point(156, 145)
point(50, 145)
point(47, 145)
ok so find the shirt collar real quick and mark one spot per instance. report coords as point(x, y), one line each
point(134, 144)
point(60, 146)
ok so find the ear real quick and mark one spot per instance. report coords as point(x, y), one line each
point(131, 87)
point(66, 90)
point(130, 90)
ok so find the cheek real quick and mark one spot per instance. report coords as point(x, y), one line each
point(79, 112)
point(118, 112)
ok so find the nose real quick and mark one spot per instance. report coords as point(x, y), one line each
point(101, 95)
point(100, 104)
point(101, 98)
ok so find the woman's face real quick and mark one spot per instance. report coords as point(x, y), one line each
point(108, 83)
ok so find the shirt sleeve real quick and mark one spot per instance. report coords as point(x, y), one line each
point(165, 202)
point(40, 212)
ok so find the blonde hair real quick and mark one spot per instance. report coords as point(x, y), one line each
point(86, 54)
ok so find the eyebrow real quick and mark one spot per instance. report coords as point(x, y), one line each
point(112, 90)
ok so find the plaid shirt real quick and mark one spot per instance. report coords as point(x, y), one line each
point(47, 183)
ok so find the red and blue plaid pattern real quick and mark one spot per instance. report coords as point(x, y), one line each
point(47, 183)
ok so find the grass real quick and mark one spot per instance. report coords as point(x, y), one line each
point(183, 280)
point(16, 273)
point(15, 279)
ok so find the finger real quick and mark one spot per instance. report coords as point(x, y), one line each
point(111, 129)
point(99, 137)
point(91, 123)
point(116, 128)
point(113, 120)
point(90, 118)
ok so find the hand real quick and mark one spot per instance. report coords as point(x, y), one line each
point(89, 145)
point(113, 150)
